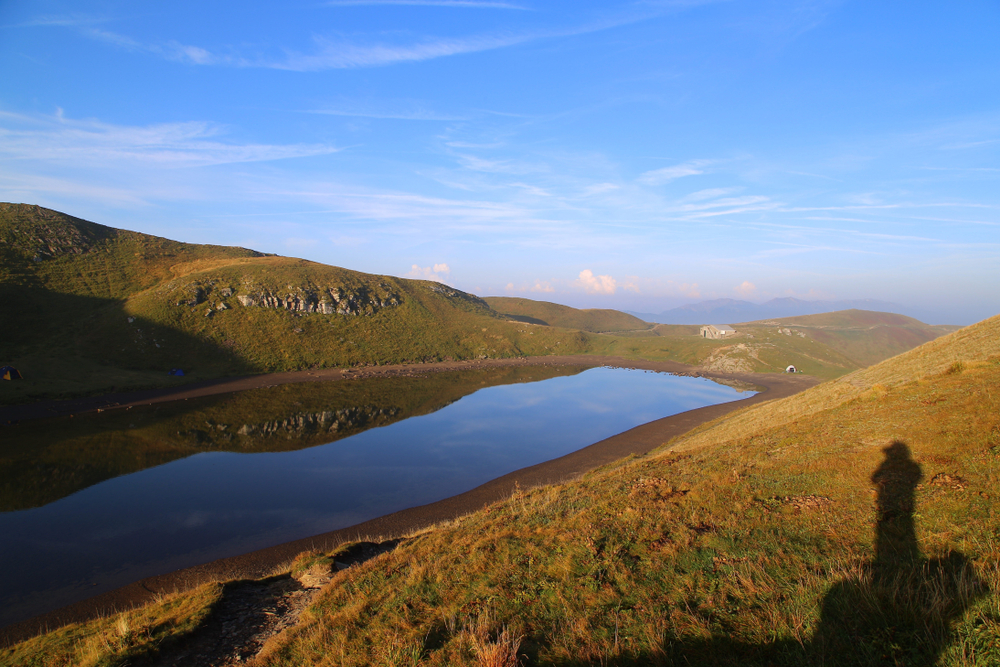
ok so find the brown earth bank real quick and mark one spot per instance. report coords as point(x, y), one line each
point(257, 564)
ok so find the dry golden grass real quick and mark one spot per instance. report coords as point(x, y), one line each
point(966, 348)
point(117, 639)
point(854, 524)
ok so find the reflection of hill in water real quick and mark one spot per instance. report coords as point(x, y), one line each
point(42, 461)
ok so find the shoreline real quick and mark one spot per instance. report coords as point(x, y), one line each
point(636, 441)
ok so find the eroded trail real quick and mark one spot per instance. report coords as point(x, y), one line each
point(251, 612)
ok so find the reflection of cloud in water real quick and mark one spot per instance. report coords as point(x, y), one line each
point(195, 520)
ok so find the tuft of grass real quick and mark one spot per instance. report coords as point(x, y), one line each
point(120, 638)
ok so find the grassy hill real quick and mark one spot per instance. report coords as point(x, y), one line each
point(98, 309)
point(851, 524)
point(596, 320)
point(866, 337)
point(827, 345)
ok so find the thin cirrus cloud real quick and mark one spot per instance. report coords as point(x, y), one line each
point(329, 53)
point(475, 4)
point(667, 174)
point(335, 54)
point(332, 53)
point(58, 139)
point(411, 113)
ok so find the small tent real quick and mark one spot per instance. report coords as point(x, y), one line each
point(176, 371)
point(791, 369)
point(10, 373)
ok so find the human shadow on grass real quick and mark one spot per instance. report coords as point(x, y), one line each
point(894, 610)
point(898, 608)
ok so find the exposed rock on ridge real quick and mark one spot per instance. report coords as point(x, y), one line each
point(340, 300)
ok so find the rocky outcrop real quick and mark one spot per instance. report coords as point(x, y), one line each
point(340, 300)
point(329, 301)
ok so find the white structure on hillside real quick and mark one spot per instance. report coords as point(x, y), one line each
point(717, 331)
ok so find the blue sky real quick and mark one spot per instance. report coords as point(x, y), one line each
point(634, 155)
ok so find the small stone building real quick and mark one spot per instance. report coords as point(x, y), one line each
point(717, 331)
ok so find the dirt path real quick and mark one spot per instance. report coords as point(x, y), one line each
point(251, 612)
point(257, 564)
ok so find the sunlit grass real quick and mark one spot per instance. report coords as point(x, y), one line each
point(119, 638)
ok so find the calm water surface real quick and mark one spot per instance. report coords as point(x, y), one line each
point(215, 504)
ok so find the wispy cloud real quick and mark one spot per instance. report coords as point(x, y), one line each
point(170, 50)
point(667, 174)
point(341, 53)
point(55, 21)
point(484, 4)
point(413, 112)
point(58, 139)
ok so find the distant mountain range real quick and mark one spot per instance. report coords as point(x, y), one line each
point(727, 311)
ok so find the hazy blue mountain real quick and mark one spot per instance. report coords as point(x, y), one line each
point(728, 311)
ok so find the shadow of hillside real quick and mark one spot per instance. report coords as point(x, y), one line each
point(894, 610)
point(66, 344)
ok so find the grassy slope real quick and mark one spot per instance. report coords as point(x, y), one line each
point(101, 309)
point(866, 337)
point(752, 541)
point(748, 542)
point(596, 320)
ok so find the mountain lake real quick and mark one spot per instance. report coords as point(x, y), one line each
point(96, 501)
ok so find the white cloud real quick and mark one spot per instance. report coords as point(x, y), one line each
point(711, 193)
point(404, 112)
point(58, 139)
point(331, 53)
point(599, 188)
point(336, 54)
point(746, 289)
point(542, 286)
point(596, 284)
point(667, 174)
point(438, 272)
point(690, 290)
point(484, 4)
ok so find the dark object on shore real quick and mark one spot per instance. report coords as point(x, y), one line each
point(176, 371)
point(10, 373)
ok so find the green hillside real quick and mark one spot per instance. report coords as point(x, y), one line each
point(96, 309)
point(851, 524)
point(99, 309)
point(827, 345)
point(866, 337)
point(596, 320)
